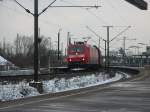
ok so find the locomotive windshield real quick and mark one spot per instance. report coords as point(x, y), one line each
point(76, 49)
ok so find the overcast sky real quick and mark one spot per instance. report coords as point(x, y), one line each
point(117, 13)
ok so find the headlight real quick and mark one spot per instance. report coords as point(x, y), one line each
point(83, 59)
point(70, 59)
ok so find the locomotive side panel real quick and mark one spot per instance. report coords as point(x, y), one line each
point(91, 55)
point(94, 56)
point(87, 54)
point(99, 55)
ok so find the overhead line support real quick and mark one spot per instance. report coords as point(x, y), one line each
point(108, 60)
point(120, 33)
point(36, 15)
point(27, 10)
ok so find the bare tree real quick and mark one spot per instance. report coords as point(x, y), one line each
point(18, 45)
point(22, 52)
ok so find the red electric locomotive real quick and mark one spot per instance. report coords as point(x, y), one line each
point(81, 54)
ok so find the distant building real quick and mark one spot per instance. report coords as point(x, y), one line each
point(148, 50)
point(5, 65)
point(114, 53)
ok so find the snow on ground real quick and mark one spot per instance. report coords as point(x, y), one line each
point(2, 61)
point(22, 90)
point(16, 91)
point(77, 69)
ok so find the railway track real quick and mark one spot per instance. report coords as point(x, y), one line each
point(66, 73)
point(46, 75)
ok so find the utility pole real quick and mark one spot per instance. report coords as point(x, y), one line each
point(39, 41)
point(61, 53)
point(105, 53)
point(108, 60)
point(36, 60)
point(124, 48)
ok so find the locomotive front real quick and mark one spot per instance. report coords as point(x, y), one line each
point(81, 54)
point(77, 55)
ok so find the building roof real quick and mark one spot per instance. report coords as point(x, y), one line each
point(3, 61)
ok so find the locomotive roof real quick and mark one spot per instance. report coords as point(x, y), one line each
point(80, 44)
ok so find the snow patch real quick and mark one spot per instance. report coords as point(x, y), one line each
point(22, 89)
point(60, 85)
point(16, 91)
point(3, 61)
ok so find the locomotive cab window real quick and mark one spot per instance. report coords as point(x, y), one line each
point(76, 49)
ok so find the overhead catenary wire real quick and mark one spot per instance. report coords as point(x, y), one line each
point(42, 20)
point(116, 11)
point(97, 17)
point(103, 20)
point(109, 2)
point(120, 33)
point(88, 10)
point(19, 12)
point(27, 10)
point(96, 42)
point(46, 8)
point(95, 33)
point(75, 6)
point(120, 15)
point(11, 9)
